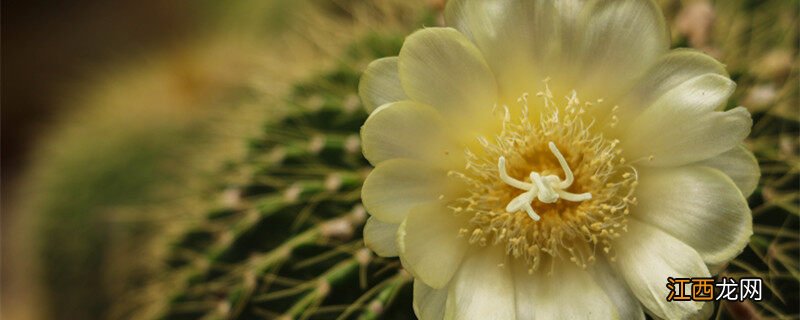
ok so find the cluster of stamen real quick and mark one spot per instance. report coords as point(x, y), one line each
point(517, 199)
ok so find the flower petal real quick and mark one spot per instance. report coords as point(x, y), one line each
point(380, 84)
point(698, 205)
point(429, 303)
point(704, 92)
point(620, 38)
point(646, 257)
point(483, 288)
point(430, 244)
point(739, 164)
point(519, 39)
point(396, 186)
point(617, 290)
point(681, 127)
point(670, 71)
point(540, 295)
point(441, 68)
point(380, 237)
point(411, 130)
point(571, 42)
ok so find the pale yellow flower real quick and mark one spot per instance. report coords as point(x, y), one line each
point(553, 160)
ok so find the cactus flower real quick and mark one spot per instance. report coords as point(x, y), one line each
point(553, 159)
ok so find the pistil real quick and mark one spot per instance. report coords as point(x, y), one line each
point(547, 189)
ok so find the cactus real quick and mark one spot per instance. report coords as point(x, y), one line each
point(283, 239)
point(130, 164)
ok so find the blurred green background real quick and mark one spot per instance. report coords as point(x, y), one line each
point(200, 160)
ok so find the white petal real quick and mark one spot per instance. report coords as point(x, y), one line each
point(482, 289)
point(646, 257)
point(441, 68)
point(571, 42)
point(408, 130)
point(520, 40)
point(543, 296)
point(617, 290)
point(429, 303)
point(739, 164)
point(380, 84)
point(704, 92)
point(681, 127)
point(700, 206)
point(396, 186)
point(681, 138)
point(670, 71)
point(380, 237)
point(430, 243)
point(621, 39)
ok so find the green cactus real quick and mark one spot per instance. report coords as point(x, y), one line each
point(286, 239)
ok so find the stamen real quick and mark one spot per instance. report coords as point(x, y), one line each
point(547, 189)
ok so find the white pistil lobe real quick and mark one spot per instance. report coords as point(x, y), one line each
point(547, 189)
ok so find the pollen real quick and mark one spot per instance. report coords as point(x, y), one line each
point(518, 199)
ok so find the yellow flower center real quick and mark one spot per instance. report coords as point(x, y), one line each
point(517, 198)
